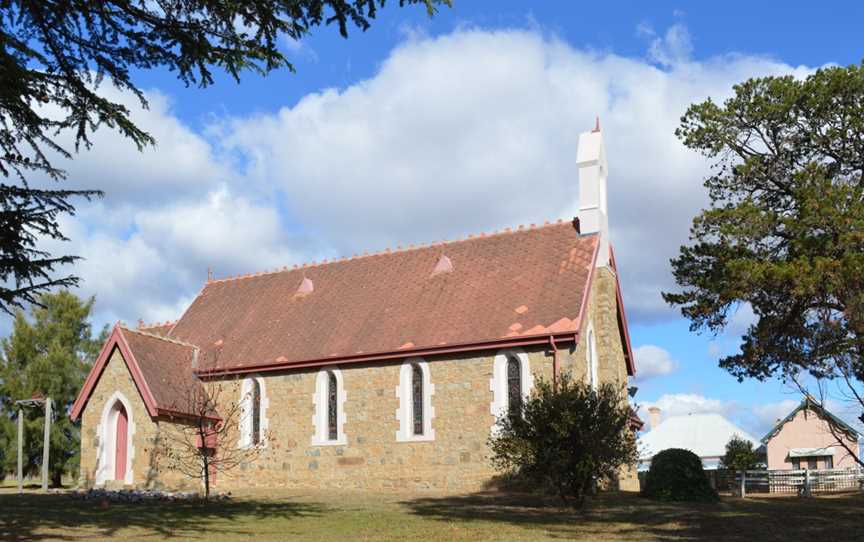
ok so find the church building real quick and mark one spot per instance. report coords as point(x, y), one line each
point(379, 371)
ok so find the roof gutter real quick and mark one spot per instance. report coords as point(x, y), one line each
point(170, 413)
point(534, 340)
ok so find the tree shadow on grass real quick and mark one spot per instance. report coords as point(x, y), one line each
point(38, 517)
point(628, 516)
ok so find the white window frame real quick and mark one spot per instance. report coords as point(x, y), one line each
point(404, 393)
point(246, 424)
point(591, 358)
point(319, 418)
point(105, 452)
point(498, 382)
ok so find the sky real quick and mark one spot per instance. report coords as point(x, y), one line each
point(427, 129)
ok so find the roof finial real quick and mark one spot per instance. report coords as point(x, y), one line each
point(597, 124)
point(209, 274)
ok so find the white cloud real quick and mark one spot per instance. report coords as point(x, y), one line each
point(756, 418)
point(651, 361)
point(472, 131)
point(477, 130)
point(182, 164)
point(768, 414)
point(675, 47)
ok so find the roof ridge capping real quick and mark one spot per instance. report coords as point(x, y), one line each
point(142, 325)
point(403, 248)
point(160, 337)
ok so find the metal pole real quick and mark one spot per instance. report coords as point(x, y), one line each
point(46, 443)
point(743, 483)
point(20, 451)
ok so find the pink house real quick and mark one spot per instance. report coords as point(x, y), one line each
point(811, 438)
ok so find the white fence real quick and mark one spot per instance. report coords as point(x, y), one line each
point(801, 482)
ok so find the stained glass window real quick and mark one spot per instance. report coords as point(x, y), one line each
point(256, 412)
point(332, 408)
point(417, 398)
point(514, 386)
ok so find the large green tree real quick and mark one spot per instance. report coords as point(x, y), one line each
point(53, 56)
point(48, 355)
point(784, 232)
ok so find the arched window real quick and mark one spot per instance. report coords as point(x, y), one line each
point(332, 407)
point(514, 386)
point(417, 398)
point(415, 412)
point(511, 383)
point(256, 412)
point(592, 360)
point(253, 421)
point(329, 400)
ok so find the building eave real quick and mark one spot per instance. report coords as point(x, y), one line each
point(508, 342)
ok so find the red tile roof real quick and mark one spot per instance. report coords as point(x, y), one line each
point(524, 283)
point(161, 369)
point(167, 366)
point(489, 291)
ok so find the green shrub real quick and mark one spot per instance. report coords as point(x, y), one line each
point(565, 439)
point(677, 475)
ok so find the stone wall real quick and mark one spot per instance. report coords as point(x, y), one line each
point(148, 468)
point(456, 460)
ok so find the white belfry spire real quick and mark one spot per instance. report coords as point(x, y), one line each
point(593, 213)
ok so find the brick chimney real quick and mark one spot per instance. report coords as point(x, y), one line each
point(593, 215)
point(653, 417)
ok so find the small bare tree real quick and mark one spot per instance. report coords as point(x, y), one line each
point(204, 440)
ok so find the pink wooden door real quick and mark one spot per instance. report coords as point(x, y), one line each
point(120, 447)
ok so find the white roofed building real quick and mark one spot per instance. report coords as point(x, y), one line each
point(705, 435)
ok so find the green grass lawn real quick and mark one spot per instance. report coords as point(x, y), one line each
point(362, 516)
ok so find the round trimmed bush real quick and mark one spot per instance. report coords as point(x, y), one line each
point(677, 475)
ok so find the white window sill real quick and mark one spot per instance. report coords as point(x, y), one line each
point(428, 437)
point(342, 441)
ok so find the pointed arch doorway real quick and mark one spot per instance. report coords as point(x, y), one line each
point(116, 448)
point(121, 447)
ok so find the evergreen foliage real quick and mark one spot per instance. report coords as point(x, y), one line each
point(567, 439)
point(740, 455)
point(784, 232)
point(677, 475)
point(53, 57)
point(47, 355)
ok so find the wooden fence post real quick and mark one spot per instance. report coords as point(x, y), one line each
point(46, 444)
point(20, 451)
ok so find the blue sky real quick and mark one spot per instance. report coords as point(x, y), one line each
point(394, 136)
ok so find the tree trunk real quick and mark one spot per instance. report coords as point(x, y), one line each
point(56, 478)
point(206, 475)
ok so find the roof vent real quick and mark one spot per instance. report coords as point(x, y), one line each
point(444, 265)
point(306, 287)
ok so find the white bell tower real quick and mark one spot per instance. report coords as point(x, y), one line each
point(593, 213)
